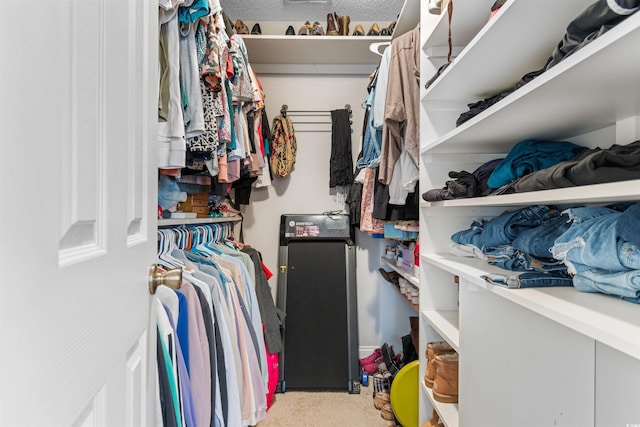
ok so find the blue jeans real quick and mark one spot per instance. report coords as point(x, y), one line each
point(509, 258)
point(504, 228)
point(594, 243)
point(625, 284)
point(372, 140)
point(538, 241)
point(530, 280)
point(629, 225)
point(472, 235)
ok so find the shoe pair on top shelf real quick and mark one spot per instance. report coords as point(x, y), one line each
point(242, 28)
point(316, 29)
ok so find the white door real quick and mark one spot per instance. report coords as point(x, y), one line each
point(78, 98)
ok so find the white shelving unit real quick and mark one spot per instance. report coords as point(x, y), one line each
point(537, 356)
point(409, 277)
point(168, 222)
point(275, 53)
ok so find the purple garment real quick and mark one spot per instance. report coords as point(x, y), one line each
point(183, 379)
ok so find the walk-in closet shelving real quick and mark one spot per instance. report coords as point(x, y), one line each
point(169, 222)
point(415, 282)
point(275, 53)
point(538, 356)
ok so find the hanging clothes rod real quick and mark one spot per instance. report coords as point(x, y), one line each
point(285, 110)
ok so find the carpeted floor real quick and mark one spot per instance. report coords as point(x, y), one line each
point(324, 409)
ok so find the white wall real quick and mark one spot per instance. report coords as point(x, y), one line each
point(306, 189)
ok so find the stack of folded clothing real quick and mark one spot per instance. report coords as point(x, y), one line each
point(594, 249)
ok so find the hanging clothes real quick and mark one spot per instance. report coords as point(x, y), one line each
point(211, 355)
point(341, 161)
point(284, 145)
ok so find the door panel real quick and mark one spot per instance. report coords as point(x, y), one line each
point(78, 85)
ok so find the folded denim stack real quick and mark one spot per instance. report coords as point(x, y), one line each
point(602, 252)
point(595, 249)
point(517, 240)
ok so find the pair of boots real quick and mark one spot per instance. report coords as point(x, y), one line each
point(442, 371)
point(337, 25)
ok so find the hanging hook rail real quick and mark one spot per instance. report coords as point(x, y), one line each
point(284, 111)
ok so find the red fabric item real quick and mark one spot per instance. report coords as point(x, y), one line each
point(267, 271)
point(274, 377)
point(229, 69)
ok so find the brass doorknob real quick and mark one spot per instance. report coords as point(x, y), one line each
point(171, 278)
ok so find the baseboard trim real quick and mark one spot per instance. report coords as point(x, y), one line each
point(365, 351)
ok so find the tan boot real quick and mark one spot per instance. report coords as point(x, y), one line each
point(343, 22)
point(434, 348)
point(445, 385)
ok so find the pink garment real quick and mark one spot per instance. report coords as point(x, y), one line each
point(233, 170)
point(368, 223)
point(274, 377)
point(222, 168)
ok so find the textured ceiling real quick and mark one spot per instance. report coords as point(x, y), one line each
point(277, 10)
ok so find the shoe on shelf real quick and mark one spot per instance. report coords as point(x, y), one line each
point(305, 29)
point(343, 24)
point(290, 31)
point(387, 31)
point(374, 30)
point(377, 353)
point(445, 385)
point(332, 29)
point(358, 31)
point(317, 29)
point(256, 29)
point(434, 349)
point(241, 27)
point(390, 276)
point(435, 6)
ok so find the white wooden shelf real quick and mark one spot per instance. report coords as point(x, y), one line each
point(514, 58)
point(597, 193)
point(415, 281)
point(193, 221)
point(281, 54)
point(604, 318)
point(528, 113)
point(446, 323)
point(408, 18)
point(448, 411)
point(469, 16)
